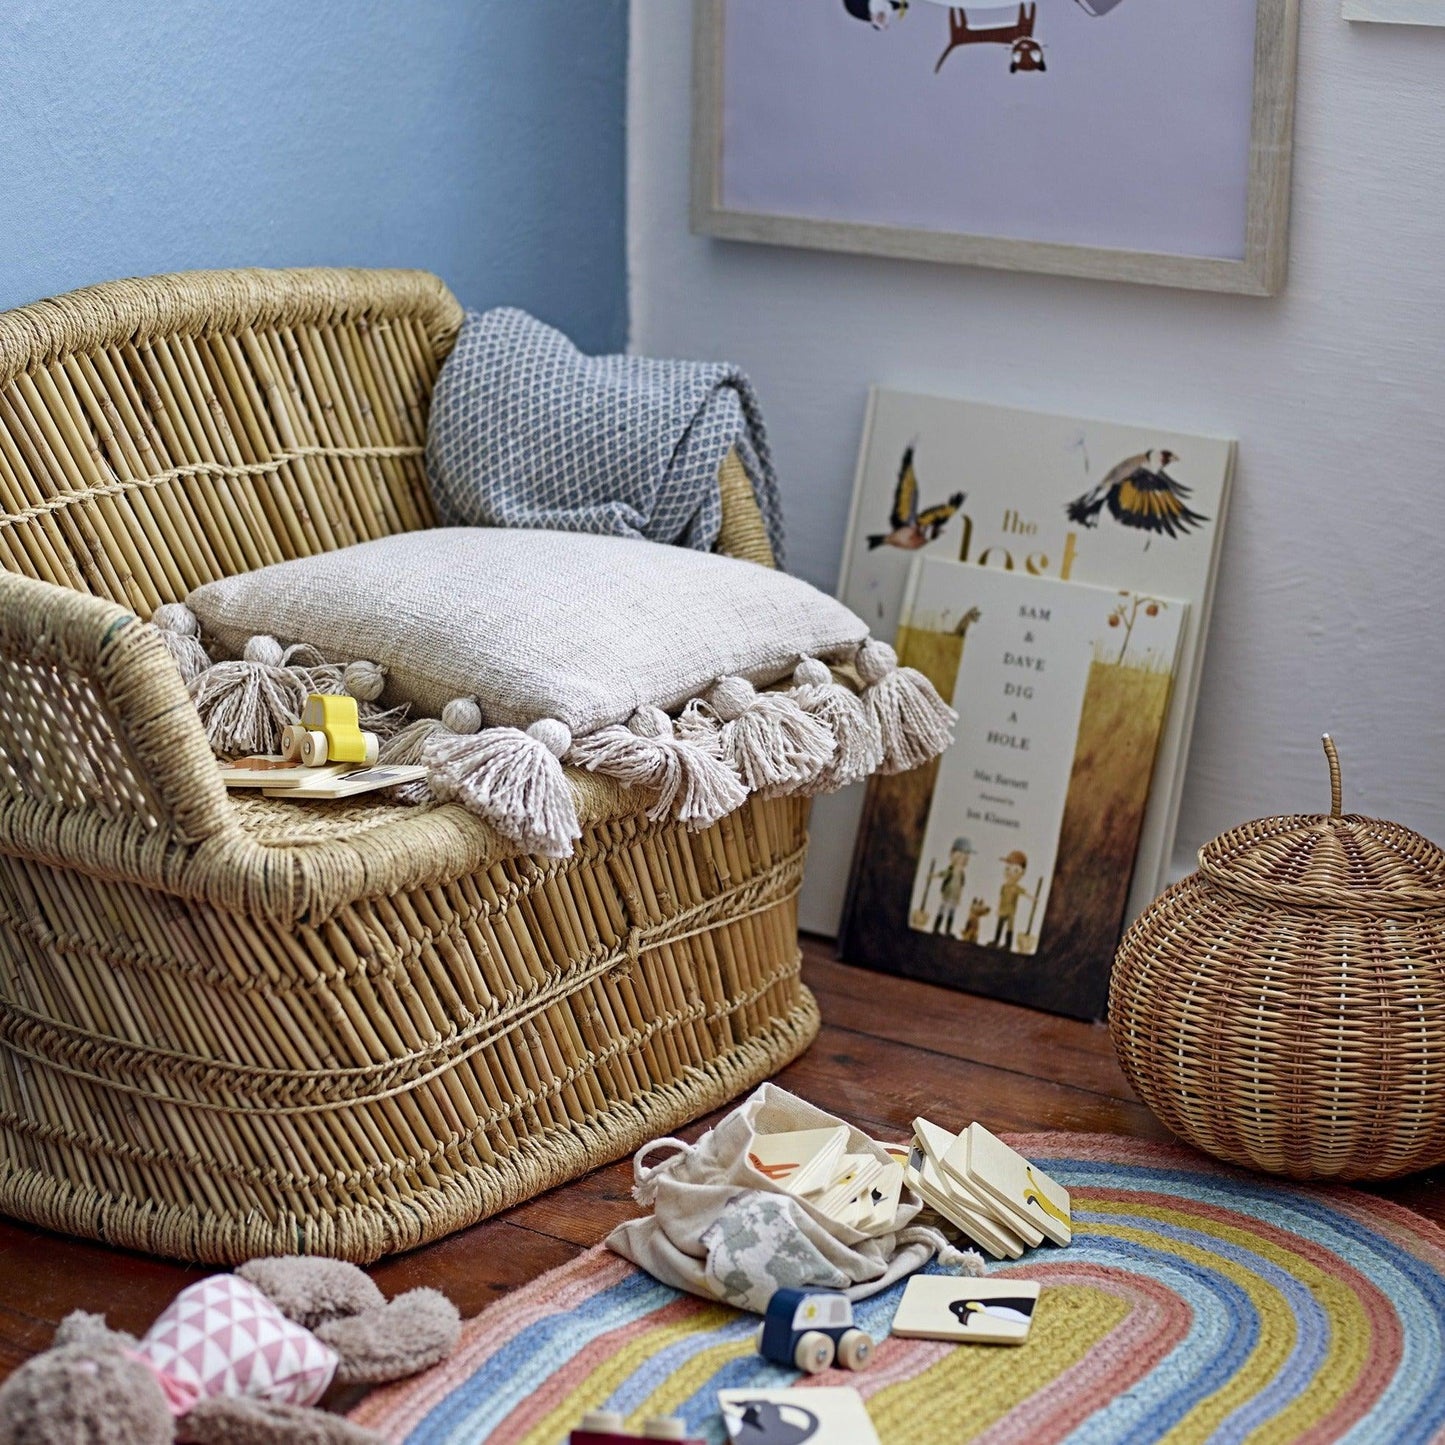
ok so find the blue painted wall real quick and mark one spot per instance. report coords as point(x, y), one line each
point(480, 139)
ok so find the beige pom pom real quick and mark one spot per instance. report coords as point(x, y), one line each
point(176, 617)
point(731, 697)
point(875, 661)
point(555, 736)
point(812, 673)
point(265, 650)
point(363, 680)
point(650, 722)
point(462, 715)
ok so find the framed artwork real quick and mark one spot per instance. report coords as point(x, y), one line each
point(1127, 140)
point(1397, 12)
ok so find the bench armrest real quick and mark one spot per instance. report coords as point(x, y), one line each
point(97, 730)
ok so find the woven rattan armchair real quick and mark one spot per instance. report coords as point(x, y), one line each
point(233, 1026)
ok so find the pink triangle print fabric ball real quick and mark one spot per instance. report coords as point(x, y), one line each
point(222, 1336)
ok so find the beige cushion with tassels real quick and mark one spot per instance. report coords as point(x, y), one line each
point(536, 624)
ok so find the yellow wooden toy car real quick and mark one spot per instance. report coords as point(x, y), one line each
point(329, 732)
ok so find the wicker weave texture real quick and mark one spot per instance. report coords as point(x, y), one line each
point(233, 1026)
point(1284, 1007)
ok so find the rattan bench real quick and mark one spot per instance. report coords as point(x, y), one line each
point(232, 1026)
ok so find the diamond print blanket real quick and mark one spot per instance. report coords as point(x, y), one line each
point(526, 431)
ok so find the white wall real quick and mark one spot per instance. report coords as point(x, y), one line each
point(1332, 587)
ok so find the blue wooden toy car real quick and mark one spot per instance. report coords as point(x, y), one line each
point(810, 1329)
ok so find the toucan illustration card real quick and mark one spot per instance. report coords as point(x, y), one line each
point(982, 1226)
point(822, 1415)
point(939, 1145)
point(971, 1311)
point(1020, 1188)
point(1078, 500)
point(1004, 866)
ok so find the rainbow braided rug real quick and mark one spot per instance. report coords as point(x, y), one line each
point(1195, 1303)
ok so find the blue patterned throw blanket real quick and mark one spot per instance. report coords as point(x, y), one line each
point(526, 431)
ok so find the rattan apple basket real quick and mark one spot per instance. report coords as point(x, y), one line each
point(1284, 1007)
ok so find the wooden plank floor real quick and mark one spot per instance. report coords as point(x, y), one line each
point(890, 1049)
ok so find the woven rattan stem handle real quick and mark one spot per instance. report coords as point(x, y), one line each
point(1333, 758)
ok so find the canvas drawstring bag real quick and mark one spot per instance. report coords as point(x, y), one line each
point(721, 1229)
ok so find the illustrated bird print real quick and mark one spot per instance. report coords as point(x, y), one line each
point(1140, 493)
point(1017, 1311)
point(913, 529)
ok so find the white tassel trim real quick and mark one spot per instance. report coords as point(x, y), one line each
point(513, 779)
point(841, 711)
point(773, 744)
point(245, 702)
point(915, 724)
point(692, 782)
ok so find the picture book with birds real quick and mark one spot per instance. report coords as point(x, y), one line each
point(1004, 866)
point(1034, 494)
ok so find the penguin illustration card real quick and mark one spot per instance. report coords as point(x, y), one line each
point(801, 1161)
point(1000, 1241)
point(971, 1311)
point(1022, 1189)
point(827, 1415)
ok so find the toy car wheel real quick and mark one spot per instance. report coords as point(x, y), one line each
point(855, 1350)
point(313, 749)
point(373, 748)
point(814, 1352)
point(292, 736)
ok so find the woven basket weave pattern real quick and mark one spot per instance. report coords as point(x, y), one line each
point(231, 1026)
point(1284, 1007)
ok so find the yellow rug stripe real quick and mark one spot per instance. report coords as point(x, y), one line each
point(1350, 1333)
point(589, 1393)
point(683, 1384)
point(974, 1386)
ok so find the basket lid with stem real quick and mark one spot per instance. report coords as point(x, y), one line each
point(1329, 860)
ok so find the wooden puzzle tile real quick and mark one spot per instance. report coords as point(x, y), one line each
point(801, 1161)
point(820, 1415)
point(940, 1146)
point(996, 1238)
point(970, 1311)
point(1021, 1188)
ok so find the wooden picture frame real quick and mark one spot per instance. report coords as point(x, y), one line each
point(1261, 272)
